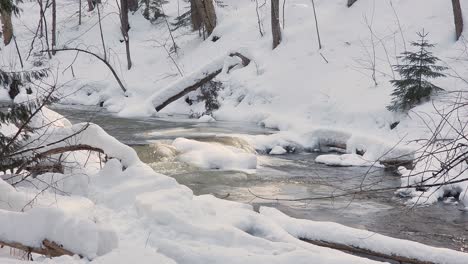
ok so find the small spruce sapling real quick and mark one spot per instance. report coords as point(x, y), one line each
point(416, 71)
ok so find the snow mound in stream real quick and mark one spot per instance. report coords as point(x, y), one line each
point(214, 155)
point(344, 160)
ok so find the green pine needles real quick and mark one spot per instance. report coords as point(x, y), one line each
point(416, 71)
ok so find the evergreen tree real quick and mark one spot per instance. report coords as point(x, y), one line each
point(153, 9)
point(416, 70)
point(18, 115)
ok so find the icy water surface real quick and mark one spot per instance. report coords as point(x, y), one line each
point(289, 176)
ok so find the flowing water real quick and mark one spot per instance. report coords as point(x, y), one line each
point(290, 176)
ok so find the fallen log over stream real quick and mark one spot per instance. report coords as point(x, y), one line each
point(190, 83)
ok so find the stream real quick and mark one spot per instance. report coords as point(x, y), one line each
point(289, 176)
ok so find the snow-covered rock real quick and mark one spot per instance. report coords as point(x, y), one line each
point(214, 155)
point(206, 119)
point(278, 150)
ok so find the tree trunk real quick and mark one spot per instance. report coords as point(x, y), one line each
point(7, 27)
point(41, 14)
point(54, 26)
point(90, 5)
point(79, 13)
point(351, 2)
point(133, 5)
point(195, 16)
point(275, 23)
point(207, 13)
point(457, 13)
point(125, 28)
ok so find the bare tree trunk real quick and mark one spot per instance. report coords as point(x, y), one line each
point(79, 13)
point(351, 2)
point(102, 34)
point(54, 26)
point(90, 5)
point(41, 23)
point(46, 29)
point(7, 27)
point(458, 16)
point(195, 16)
point(275, 23)
point(207, 13)
point(125, 28)
point(133, 5)
point(316, 25)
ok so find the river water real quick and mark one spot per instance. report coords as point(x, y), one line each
point(290, 176)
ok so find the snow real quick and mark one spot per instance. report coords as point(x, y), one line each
point(80, 236)
point(214, 156)
point(333, 232)
point(278, 150)
point(206, 118)
point(343, 160)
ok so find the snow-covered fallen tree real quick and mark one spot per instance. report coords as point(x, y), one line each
point(364, 242)
point(195, 80)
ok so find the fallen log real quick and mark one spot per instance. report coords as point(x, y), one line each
point(365, 252)
point(179, 89)
point(49, 249)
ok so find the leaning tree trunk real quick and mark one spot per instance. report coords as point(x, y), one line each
point(351, 2)
point(275, 23)
point(54, 26)
point(7, 26)
point(458, 16)
point(125, 28)
point(207, 14)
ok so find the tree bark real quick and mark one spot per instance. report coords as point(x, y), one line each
point(207, 14)
point(54, 26)
point(50, 248)
point(90, 5)
point(275, 23)
point(458, 17)
point(125, 27)
point(7, 27)
point(195, 16)
point(79, 12)
point(351, 2)
point(133, 5)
